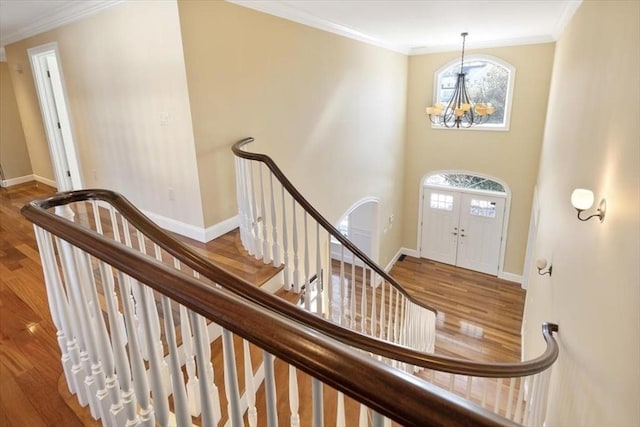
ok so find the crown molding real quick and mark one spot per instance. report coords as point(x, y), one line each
point(484, 44)
point(73, 12)
point(290, 13)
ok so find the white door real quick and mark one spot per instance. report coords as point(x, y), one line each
point(51, 94)
point(462, 229)
point(480, 232)
point(440, 218)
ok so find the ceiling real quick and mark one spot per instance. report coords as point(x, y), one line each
point(407, 26)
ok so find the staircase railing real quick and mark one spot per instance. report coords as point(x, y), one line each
point(279, 226)
point(146, 340)
point(354, 297)
point(108, 270)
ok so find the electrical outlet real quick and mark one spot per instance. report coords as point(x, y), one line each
point(172, 195)
point(164, 118)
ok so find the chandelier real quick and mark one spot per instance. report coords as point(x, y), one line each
point(460, 111)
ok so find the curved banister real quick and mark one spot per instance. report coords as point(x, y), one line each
point(406, 399)
point(299, 198)
point(37, 212)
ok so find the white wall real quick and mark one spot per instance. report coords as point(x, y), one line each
point(592, 140)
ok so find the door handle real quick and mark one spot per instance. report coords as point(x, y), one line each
point(454, 233)
point(462, 235)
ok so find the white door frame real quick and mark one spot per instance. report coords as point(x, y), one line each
point(54, 108)
point(507, 209)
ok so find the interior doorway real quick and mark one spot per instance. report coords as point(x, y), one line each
point(360, 225)
point(50, 88)
point(463, 221)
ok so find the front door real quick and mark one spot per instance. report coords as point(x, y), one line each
point(462, 229)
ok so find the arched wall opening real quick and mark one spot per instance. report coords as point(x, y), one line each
point(360, 224)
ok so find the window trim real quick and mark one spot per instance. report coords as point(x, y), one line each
point(509, 99)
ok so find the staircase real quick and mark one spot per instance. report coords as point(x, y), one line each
point(151, 332)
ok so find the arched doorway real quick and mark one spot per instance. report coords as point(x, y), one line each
point(360, 225)
point(463, 220)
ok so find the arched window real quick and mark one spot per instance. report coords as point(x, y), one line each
point(488, 80)
point(463, 180)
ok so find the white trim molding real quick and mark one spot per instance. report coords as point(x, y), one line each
point(15, 181)
point(27, 178)
point(47, 181)
point(194, 232)
point(511, 277)
point(66, 14)
point(223, 227)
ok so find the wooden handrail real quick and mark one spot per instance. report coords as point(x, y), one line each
point(393, 393)
point(335, 233)
point(36, 212)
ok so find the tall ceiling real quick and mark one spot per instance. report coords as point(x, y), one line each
point(408, 26)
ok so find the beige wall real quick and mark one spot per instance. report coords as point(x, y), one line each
point(122, 68)
point(594, 293)
point(14, 156)
point(329, 110)
point(510, 156)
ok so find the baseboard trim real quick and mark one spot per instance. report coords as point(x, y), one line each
point(46, 181)
point(15, 181)
point(200, 234)
point(510, 277)
point(221, 228)
point(411, 252)
point(393, 260)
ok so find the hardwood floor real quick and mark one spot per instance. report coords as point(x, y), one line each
point(479, 315)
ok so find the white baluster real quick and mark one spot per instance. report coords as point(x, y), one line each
point(352, 300)
point(240, 199)
point(209, 398)
point(496, 404)
point(484, 391)
point(254, 215)
point(155, 359)
point(383, 314)
point(285, 243)
point(109, 395)
point(95, 379)
point(518, 415)
point(307, 273)
point(531, 400)
point(342, 297)
point(363, 301)
point(232, 391)
point(293, 397)
point(123, 412)
point(190, 363)
point(340, 416)
point(180, 402)
point(274, 225)
point(319, 273)
point(249, 386)
point(512, 386)
point(58, 306)
point(467, 393)
point(374, 305)
point(266, 257)
point(318, 403)
point(329, 294)
point(270, 391)
point(391, 316)
point(363, 419)
point(138, 371)
point(294, 235)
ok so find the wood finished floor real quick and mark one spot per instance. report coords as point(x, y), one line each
point(479, 317)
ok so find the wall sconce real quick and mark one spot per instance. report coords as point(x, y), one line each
point(541, 264)
point(582, 199)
